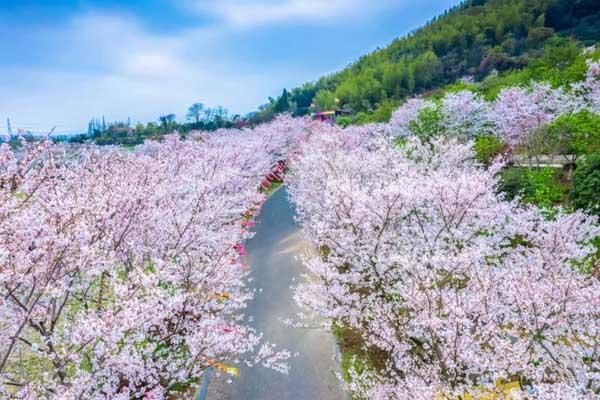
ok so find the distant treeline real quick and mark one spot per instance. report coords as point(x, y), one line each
point(125, 133)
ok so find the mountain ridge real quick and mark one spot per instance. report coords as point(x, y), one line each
point(472, 39)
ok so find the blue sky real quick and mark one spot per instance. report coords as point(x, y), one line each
point(65, 61)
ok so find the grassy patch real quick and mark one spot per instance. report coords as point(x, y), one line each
point(544, 187)
point(487, 148)
point(356, 355)
point(274, 186)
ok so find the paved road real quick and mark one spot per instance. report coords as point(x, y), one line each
point(272, 258)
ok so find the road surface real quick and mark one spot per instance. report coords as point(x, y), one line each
point(273, 256)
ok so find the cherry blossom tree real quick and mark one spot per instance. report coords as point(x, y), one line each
point(453, 286)
point(400, 122)
point(519, 111)
point(466, 115)
point(589, 89)
point(121, 273)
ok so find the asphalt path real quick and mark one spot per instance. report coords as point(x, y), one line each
point(274, 258)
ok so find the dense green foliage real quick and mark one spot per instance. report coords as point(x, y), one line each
point(585, 194)
point(546, 190)
point(487, 148)
point(561, 62)
point(577, 134)
point(519, 39)
point(514, 183)
point(539, 186)
point(324, 100)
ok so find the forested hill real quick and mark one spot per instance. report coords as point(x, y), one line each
point(471, 40)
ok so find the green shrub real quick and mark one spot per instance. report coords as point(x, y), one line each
point(514, 182)
point(487, 148)
point(546, 190)
point(577, 134)
point(586, 185)
point(429, 123)
point(384, 111)
point(344, 121)
point(534, 186)
point(362, 118)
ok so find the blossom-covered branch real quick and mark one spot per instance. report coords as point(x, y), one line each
point(455, 286)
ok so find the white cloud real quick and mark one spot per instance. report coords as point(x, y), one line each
point(247, 14)
point(109, 65)
point(153, 63)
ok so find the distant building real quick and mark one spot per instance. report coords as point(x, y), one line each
point(330, 116)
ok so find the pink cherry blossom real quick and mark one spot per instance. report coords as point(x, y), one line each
point(116, 267)
point(589, 89)
point(519, 111)
point(123, 274)
point(466, 115)
point(457, 287)
point(408, 112)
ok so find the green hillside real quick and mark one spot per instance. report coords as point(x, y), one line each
point(472, 40)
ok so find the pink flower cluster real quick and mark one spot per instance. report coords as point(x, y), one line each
point(466, 115)
point(513, 116)
point(120, 270)
point(517, 112)
point(456, 287)
point(589, 89)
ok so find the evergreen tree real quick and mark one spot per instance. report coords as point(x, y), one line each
point(283, 103)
